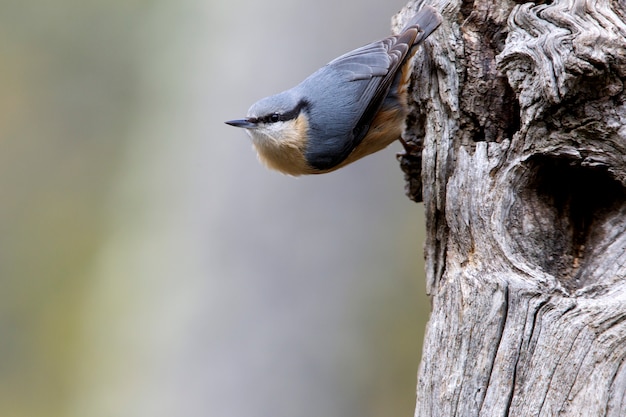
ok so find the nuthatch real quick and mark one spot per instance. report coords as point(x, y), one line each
point(353, 106)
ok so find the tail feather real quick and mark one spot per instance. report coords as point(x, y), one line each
point(427, 20)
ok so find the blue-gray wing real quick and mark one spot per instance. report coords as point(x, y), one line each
point(373, 60)
point(362, 79)
point(374, 66)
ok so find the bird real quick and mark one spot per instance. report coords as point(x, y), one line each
point(350, 108)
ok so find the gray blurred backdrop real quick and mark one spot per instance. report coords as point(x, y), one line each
point(149, 265)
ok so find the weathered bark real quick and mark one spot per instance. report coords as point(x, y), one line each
point(522, 170)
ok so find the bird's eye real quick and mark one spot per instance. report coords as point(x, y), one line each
point(274, 118)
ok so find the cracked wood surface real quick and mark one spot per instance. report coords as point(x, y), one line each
point(518, 151)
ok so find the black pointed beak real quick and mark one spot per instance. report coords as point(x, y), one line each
point(245, 123)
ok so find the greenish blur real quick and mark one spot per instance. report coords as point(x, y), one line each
point(67, 91)
point(149, 266)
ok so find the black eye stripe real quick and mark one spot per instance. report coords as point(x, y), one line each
point(283, 117)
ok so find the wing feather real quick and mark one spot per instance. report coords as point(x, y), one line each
point(360, 79)
point(376, 65)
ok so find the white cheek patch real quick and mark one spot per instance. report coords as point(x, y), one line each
point(274, 132)
point(279, 128)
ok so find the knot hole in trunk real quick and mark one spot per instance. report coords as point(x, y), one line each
point(564, 218)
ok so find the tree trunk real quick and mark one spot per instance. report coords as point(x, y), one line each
point(518, 149)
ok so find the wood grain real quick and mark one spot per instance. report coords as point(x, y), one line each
point(517, 141)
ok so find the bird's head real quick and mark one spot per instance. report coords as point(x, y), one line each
point(279, 128)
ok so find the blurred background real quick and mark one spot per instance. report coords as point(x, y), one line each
point(149, 265)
